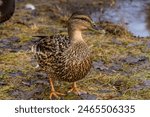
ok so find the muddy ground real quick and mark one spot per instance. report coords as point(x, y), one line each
point(121, 61)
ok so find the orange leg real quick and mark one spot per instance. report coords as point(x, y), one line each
point(53, 92)
point(75, 90)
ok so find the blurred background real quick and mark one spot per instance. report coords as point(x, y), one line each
point(132, 14)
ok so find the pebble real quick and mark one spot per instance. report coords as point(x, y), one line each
point(30, 6)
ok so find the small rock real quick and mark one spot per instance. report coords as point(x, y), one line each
point(30, 7)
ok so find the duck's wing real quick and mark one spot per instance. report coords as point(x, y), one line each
point(48, 50)
point(7, 8)
point(51, 44)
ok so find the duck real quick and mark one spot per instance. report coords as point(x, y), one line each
point(66, 57)
point(7, 8)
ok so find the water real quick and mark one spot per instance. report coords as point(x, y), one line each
point(130, 13)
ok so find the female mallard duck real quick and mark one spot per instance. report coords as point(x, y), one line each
point(66, 58)
point(7, 8)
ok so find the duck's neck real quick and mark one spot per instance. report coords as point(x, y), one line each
point(75, 36)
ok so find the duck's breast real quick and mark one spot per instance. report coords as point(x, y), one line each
point(76, 63)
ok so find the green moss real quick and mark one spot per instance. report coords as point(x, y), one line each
point(5, 92)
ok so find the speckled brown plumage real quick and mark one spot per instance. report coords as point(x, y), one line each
point(66, 58)
point(56, 57)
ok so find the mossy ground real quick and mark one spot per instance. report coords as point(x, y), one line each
point(19, 79)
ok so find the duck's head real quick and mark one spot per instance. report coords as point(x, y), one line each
point(80, 21)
